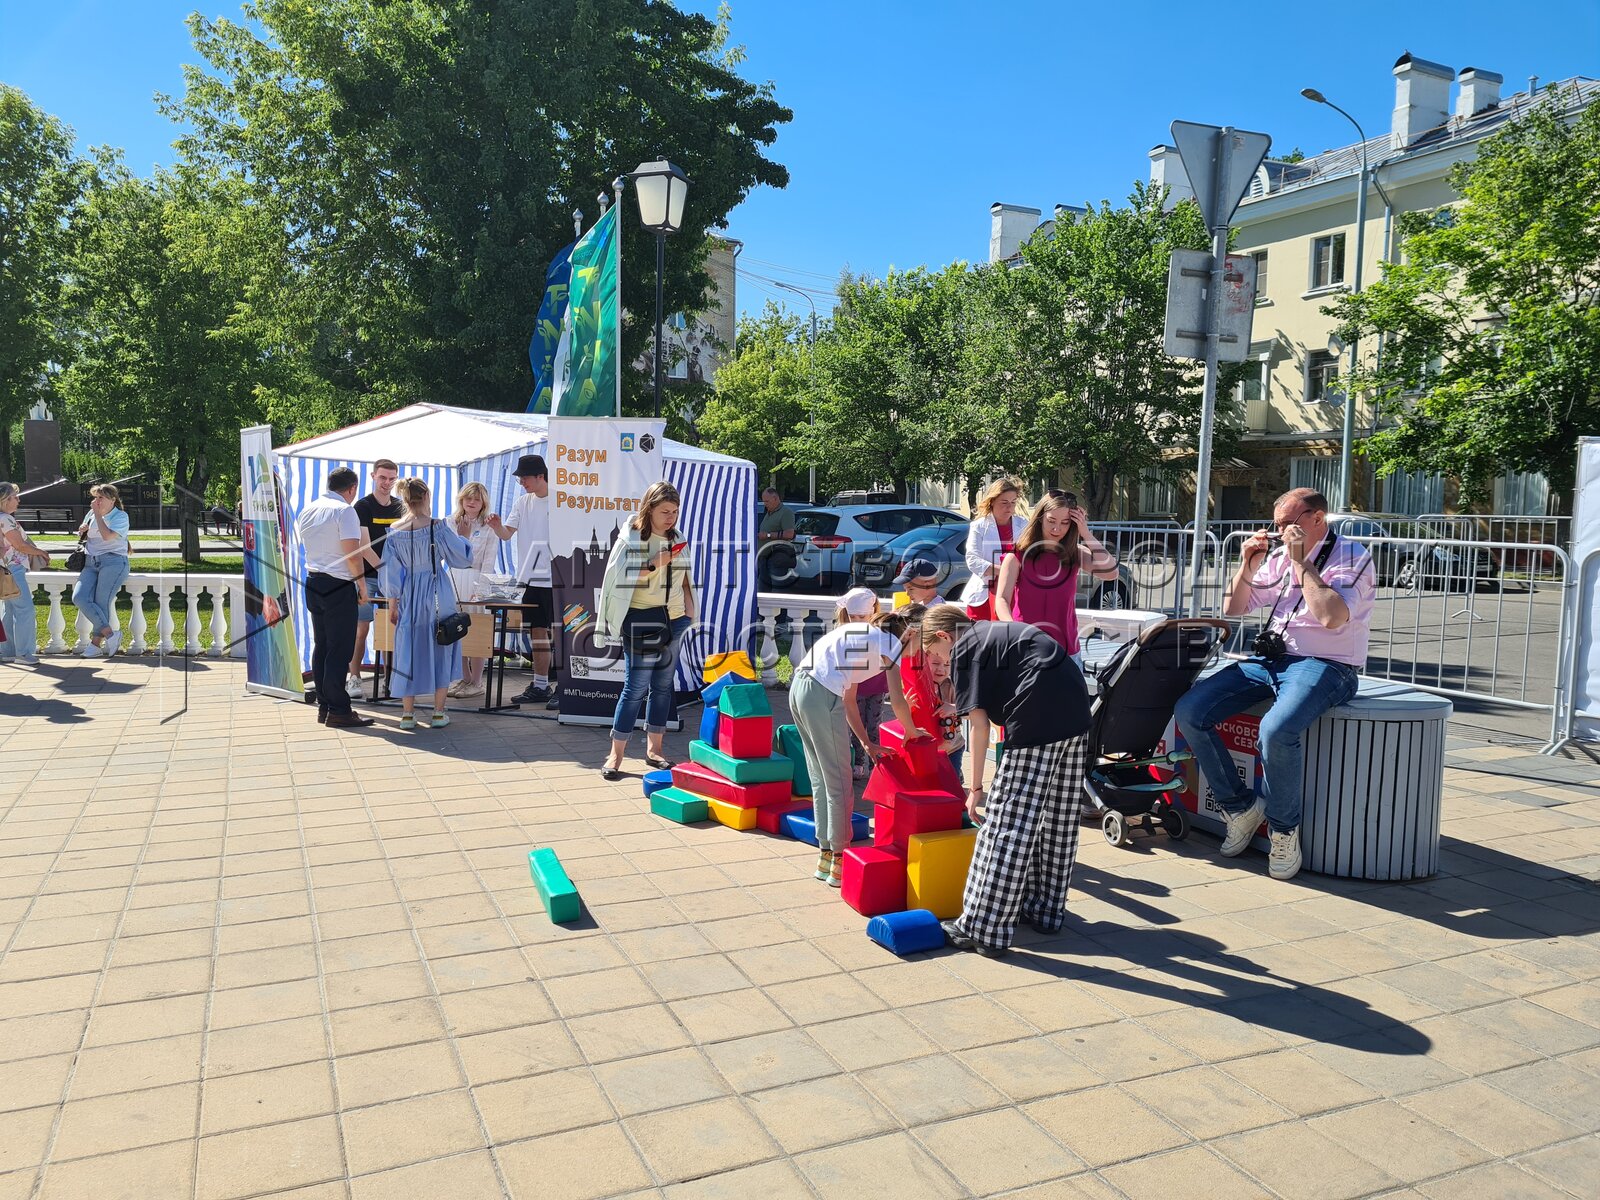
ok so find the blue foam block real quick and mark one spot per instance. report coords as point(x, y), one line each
point(802, 826)
point(712, 692)
point(908, 932)
point(654, 781)
point(709, 721)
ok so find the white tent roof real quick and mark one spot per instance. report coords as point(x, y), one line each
point(436, 434)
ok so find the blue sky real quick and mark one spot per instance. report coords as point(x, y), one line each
point(912, 118)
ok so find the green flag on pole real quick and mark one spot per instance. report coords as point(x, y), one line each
point(586, 379)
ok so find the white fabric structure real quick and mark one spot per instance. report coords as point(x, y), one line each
point(448, 447)
point(1585, 598)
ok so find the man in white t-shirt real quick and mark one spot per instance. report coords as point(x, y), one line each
point(529, 522)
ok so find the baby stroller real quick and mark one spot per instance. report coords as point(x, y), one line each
point(1139, 687)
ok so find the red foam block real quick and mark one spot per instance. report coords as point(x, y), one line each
point(874, 880)
point(916, 812)
point(769, 817)
point(703, 781)
point(894, 777)
point(744, 737)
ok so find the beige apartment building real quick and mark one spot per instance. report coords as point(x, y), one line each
point(1298, 220)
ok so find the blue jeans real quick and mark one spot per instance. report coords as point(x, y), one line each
point(95, 593)
point(648, 676)
point(22, 629)
point(1301, 690)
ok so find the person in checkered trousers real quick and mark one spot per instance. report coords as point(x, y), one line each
point(1017, 676)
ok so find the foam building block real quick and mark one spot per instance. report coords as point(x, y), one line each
point(936, 870)
point(787, 743)
point(732, 815)
point(907, 932)
point(703, 781)
point(712, 692)
point(874, 880)
point(893, 777)
point(709, 721)
point(654, 781)
point(736, 662)
point(922, 754)
point(801, 825)
point(742, 770)
point(556, 890)
point(769, 817)
point(744, 700)
point(675, 804)
point(914, 814)
point(744, 737)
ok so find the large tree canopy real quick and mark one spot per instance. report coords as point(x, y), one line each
point(1491, 317)
point(427, 157)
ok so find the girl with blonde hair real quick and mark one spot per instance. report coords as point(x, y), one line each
point(414, 577)
point(647, 604)
point(992, 536)
point(471, 521)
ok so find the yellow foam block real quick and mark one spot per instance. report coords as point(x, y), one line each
point(799, 799)
point(936, 870)
point(731, 815)
point(737, 661)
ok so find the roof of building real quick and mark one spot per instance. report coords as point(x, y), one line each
point(1275, 177)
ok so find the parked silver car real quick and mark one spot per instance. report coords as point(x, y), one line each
point(827, 539)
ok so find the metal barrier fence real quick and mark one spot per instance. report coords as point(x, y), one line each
point(1542, 533)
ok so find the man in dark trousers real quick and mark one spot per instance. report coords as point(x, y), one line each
point(330, 533)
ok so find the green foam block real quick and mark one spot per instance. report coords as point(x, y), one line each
point(742, 770)
point(675, 804)
point(557, 892)
point(744, 700)
point(788, 743)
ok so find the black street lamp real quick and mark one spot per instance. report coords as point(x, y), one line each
point(661, 188)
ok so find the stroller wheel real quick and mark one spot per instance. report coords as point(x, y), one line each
point(1115, 827)
point(1175, 821)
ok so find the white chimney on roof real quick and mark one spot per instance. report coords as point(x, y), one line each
point(1421, 98)
point(1009, 226)
point(1166, 170)
point(1479, 90)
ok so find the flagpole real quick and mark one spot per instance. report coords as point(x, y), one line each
point(616, 188)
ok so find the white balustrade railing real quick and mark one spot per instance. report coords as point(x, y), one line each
point(226, 621)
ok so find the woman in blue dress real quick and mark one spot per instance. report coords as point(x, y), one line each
point(417, 556)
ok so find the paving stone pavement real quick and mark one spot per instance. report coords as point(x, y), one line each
point(242, 955)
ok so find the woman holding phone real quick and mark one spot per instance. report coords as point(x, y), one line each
point(646, 606)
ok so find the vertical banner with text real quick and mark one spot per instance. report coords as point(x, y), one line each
point(272, 664)
point(599, 468)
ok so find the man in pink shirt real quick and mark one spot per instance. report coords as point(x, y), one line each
point(1319, 588)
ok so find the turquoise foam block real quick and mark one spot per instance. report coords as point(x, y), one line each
point(557, 892)
point(787, 743)
point(801, 825)
point(741, 770)
point(909, 932)
point(654, 781)
point(744, 700)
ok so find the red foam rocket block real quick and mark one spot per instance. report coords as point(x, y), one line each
point(769, 817)
point(871, 876)
point(917, 812)
point(744, 737)
point(703, 781)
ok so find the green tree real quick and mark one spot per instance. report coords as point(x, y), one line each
point(1063, 354)
point(759, 396)
point(1491, 317)
point(41, 185)
point(888, 382)
point(428, 156)
point(164, 370)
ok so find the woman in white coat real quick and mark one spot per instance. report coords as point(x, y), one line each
point(991, 537)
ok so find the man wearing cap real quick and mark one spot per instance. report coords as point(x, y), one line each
point(919, 580)
point(530, 522)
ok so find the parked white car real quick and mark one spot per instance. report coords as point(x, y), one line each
point(827, 539)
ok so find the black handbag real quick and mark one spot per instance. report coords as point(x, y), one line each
point(447, 631)
point(79, 558)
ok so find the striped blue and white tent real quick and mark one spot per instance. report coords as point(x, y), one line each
point(449, 447)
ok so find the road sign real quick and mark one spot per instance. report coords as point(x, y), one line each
point(1189, 311)
point(1220, 163)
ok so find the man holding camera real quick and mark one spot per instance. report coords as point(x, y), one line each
point(1319, 588)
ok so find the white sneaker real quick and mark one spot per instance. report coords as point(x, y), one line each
point(113, 643)
point(1242, 828)
point(89, 650)
point(353, 688)
point(470, 689)
point(454, 689)
point(1283, 860)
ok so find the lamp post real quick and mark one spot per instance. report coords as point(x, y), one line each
point(1346, 446)
point(662, 189)
point(812, 495)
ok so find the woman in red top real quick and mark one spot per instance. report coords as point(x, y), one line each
point(1038, 582)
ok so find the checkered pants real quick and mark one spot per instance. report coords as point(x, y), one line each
point(1023, 858)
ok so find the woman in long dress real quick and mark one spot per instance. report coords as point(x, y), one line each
point(415, 577)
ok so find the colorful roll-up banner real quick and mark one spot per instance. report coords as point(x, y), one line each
point(599, 468)
point(272, 664)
